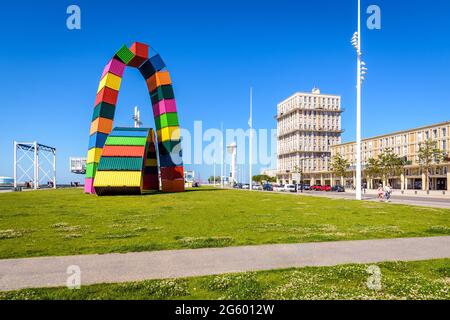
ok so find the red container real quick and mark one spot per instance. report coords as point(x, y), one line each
point(150, 182)
point(141, 54)
point(123, 151)
point(107, 95)
point(172, 173)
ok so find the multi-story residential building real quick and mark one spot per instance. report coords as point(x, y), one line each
point(405, 144)
point(308, 125)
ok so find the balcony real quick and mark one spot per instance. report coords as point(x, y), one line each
point(319, 109)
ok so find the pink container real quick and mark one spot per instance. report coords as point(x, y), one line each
point(89, 185)
point(114, 66)
point(164, 106)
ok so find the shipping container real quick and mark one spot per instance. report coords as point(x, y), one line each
point(164, 106)
point(166, 120)
point(91, 169)
point(126, 141)
point(118, 179)
point(168, 146)
point(94, 155)
point(89, 185)
point(123, 151)
point(172, 185)
point(157, 62)
point(168, 133)
point(146, 69)
point(97, 140)
point(110, 80)
point(120, 164)
point(125, 54)
point(140, 51)
point(158, 79)
point(101, 124)
point(107, 95)
point(104, 110)
point(114, 66)
point(162, 92)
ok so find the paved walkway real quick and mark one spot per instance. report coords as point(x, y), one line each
point(422, 201)
point(109, 268)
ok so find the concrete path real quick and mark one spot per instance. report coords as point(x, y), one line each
point(433, 202)
point(110, 268)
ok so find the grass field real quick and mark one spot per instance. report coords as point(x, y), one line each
point(399, 280)
point(67, 222)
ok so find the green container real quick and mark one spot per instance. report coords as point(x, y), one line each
point(162, 92)
point(120, 164)
point(91, 169)
point(126, 141)
point(104, 110)
point(167, 120)
point(166, 147)
point(125, 54)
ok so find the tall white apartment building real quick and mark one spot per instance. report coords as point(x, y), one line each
point(308, 125)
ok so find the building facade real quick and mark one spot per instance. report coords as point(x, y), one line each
point(405, 144)
point(308, 125)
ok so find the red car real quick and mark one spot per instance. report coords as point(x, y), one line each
point(325, 188)
point(316, 188)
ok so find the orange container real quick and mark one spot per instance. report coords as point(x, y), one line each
point(123, 151)
point(102, 125)
point(158, 79)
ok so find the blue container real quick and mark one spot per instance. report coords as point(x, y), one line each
point(97, 140)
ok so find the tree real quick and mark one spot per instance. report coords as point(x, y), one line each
point(429, 155)
point(373, 168)
point(211, 179)
point(261, 178)
point(339, 165)
point(391, 164)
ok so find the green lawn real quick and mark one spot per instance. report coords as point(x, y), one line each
point(399, 280)
point(67, 222)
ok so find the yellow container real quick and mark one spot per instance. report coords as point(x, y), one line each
point(94, 155)
point(118, 179)
point(168, 133)
point(110, 80)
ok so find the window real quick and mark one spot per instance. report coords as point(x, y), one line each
point(444, 132)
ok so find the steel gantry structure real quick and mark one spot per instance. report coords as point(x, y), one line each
point(30, 156)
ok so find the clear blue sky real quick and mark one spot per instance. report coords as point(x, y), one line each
point(215, 51)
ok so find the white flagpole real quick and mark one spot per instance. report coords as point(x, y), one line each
point(250, 123)
point(221, 156)
point(358, 112)
point(214, 170)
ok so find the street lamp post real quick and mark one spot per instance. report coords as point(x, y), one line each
point(361, 72)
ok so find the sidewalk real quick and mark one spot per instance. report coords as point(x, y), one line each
point(110, 268)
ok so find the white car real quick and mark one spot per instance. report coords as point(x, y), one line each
point(278, 188)
point(289, 188)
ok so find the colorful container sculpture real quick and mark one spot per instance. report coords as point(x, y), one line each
point(115, 155)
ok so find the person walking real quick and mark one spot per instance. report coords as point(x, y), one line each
point(380, 192)
point(387, 192)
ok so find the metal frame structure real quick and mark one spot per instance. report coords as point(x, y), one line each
point(22, 151)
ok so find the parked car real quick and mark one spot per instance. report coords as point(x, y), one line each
point(289, 188)
point(338, 189)
point(278, 187)
point(267, 187)
point(325, 188)
point(237, 186)
point(257, 187)
point(246, 186)
point(316, 188)
point(304, 187)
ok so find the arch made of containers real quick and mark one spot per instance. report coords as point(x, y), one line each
point(157, 78)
